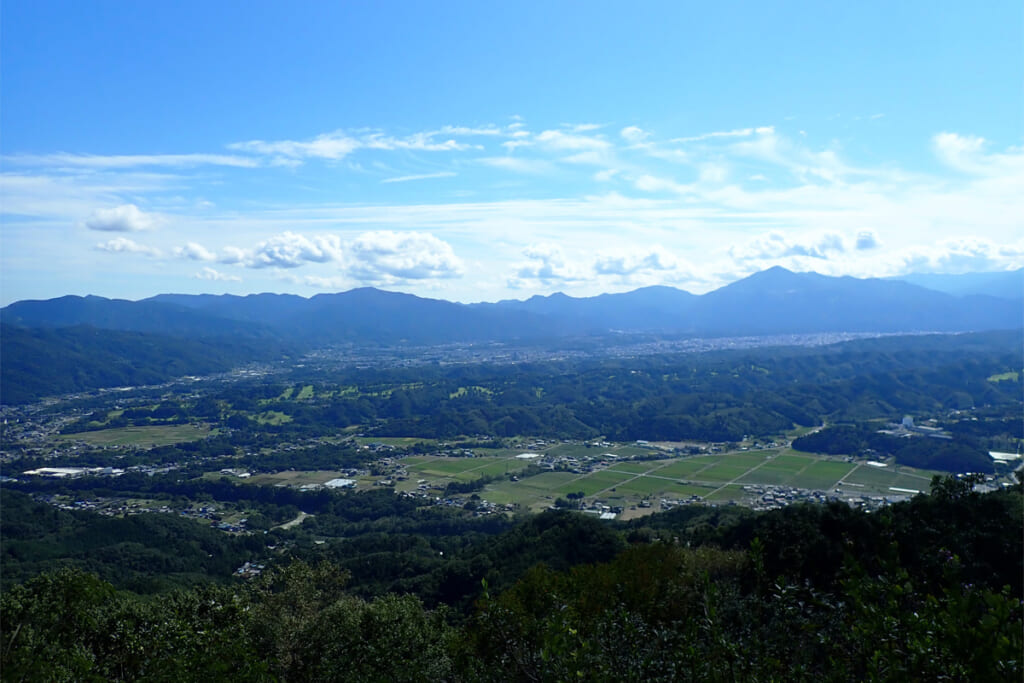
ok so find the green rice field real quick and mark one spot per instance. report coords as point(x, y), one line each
point(718, 478)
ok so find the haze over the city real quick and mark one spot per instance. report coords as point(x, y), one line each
point(474, 152)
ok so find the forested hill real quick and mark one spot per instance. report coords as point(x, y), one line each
point(46, 362)
point(929, 589)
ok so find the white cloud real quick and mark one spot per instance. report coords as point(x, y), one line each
point(420, 176)
point(635, 261)
point(961, 255)
point(547, 265)
point(388, 256)
point(650, 183)
point(331, 146)
point(775, 197)
point(124, 218)
point(208, 273)
point(470, 130)
point(287, 250)
point(519, 164)
point(123, 245)
point(633, 134)
point(966, 153)
point(866, 240)
point(570, 142)
point(713, 173)
point(958, 151)
point(776, 245)
point(195, 252)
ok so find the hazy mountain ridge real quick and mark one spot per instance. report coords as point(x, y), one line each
point(774, 301)
point(1004, 284)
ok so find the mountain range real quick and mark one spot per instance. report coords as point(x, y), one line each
point(774, 301)
point(73, 343)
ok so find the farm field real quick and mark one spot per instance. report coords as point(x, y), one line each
point(297, 478)
point(144, 437)
point(716, 478)
point(396, 441)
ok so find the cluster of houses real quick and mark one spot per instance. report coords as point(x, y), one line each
point(250, 570)
point(480, 507)
point(768, 497)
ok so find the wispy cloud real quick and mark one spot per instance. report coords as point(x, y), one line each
point(123, 245)
point(571, 141)
point(123, 161)
point(339, 144)
point(530, 166)
point(215, 276)
point(737, 133)
point(420, 176)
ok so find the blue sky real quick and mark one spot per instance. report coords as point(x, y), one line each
point(479, 151)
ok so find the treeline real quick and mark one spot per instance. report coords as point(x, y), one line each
point(929, 589)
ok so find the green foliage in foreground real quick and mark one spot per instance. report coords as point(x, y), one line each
point(741, 608)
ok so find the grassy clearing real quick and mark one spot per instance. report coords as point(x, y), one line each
point(463, 391)
point(291, 478)
point(396, 441)
point(273, 417)
point(306, 393)
point(1004, 377)
point(143, 437)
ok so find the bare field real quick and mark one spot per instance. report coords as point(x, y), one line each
point(144, 437)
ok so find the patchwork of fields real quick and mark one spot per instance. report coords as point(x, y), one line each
point(715, 478)
point(604, 474)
